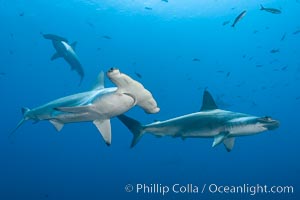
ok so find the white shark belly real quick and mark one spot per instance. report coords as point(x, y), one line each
point(192, 125)
point(245, 130)
point(104, 107)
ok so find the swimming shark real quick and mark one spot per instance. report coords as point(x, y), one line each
point(66, 51)
point(211, 122)
point(97, 105)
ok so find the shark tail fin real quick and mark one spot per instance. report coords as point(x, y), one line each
point(24, 111)
point(134, 126)
point(261, 7)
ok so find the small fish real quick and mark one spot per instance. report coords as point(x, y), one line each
point(274, 61)
point(165, 1)
point(106, 37)
point(21, 14)
point(255, 31)
point(253, 103)
point(90, 24)
point(196, 60)
point(274, 51)
point(284, 68)
point(298, 98)
point(228, 74)
point(258, 65)
point(270, 10)
point(148, 8)
point(2, 73)
point(220, 71)
point(99, 48)
point(283, 37)
point(138, 74)
point(11, 52)
point(239, 17)
point(296, 32)
point(226, 22)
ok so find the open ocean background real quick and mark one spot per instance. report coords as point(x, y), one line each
point(178, 48)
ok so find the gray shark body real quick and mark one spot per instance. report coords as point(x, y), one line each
point(97, 105)
point(66, 51)
point(210, 122)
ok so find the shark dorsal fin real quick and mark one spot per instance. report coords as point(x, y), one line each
point(73, 45)
point(24, 110)
point(208, 102)
point(100, 81)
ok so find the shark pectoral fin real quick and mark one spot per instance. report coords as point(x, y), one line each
point(58, 125)
point(73, 45)
point(74, 109)
point(229, 143)
point(104, 128)
point(220, 138)
point(55, 56)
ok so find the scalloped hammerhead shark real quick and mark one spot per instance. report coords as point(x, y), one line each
point(97, 105)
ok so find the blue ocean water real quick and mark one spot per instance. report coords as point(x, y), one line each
point(176, 49)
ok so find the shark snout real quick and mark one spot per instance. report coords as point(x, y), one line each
point(269, 123)
point(275, 124)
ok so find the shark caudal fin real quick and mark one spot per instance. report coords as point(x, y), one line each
point(134, 126)
point(24, 111)
point(261, 7)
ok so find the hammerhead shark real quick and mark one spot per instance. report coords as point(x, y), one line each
point(97, 105)
point(66, 51)
point(211, 122)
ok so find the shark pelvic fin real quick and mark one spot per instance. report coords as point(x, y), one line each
point(55, 56)
point(58, 125)
point(220, 138)
point(229, 143)
point(100, 82)
point(134, 126)
point(208, 102)
point(74, 109)
point(105, 129)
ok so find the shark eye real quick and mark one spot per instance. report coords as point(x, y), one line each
point(267, 118)
point(112, 69)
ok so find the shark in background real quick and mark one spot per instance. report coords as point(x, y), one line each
point(66, 51)
point(211, 122)
point(97, 105)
